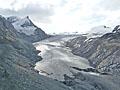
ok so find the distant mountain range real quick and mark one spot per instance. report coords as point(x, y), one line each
point(98, 31)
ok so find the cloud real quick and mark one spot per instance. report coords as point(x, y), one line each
point(65, 15)
point(110, 4)
point(36, 11)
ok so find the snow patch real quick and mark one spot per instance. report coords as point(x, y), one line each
point(28, 30)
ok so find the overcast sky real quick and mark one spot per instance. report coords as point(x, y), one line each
point(65, 15)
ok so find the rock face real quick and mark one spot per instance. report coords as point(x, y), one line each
point(17, 60)
point(76, 42)
point(102, 52)
point(116, 29)
point(82, 81)
point(27, 29)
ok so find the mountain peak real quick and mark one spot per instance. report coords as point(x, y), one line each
point(27, 17)
point(25, 22)
point(23, 25)
point(27, 28)
point(13, 19)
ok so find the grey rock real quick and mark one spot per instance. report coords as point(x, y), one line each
point(82, 81)
point(17, 60)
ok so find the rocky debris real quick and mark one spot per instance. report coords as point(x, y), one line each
point(84, 81)
point(76, 42)
point(91, 70)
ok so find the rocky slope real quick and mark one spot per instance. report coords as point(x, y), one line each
point(102, 52)
point(27, 29)
point(17, 60)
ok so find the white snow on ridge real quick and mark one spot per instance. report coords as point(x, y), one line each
point(98, 31)
point(28, 30)
point(13, 18)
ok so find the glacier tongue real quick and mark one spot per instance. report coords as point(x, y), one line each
point(58, 60)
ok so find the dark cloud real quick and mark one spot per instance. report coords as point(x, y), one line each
point(36, 11)
point(110, 4)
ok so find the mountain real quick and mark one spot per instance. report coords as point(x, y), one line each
point(18, 58)
point(98, 31)
point(17, 61)
point(102, 52)
point(27, 29)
